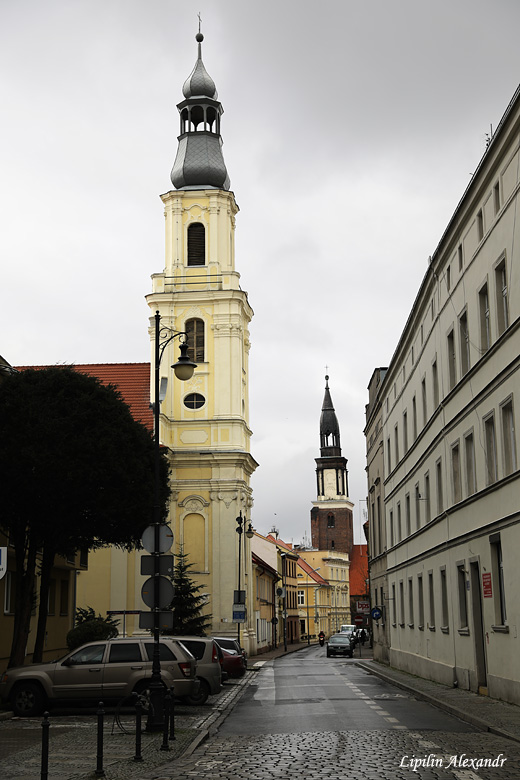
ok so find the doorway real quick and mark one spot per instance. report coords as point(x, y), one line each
point(478, 628)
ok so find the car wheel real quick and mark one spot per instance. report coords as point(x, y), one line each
point(328, 654)
point(201, 697)
point(27, 700)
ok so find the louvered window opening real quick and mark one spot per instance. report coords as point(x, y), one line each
point(195, 333)
point(196, 244)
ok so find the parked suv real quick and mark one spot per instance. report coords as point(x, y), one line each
point(208, 656)
point(110, 669)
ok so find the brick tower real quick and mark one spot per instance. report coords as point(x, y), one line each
point(331, 514)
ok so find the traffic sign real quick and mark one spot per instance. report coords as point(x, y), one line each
point(376, 613)
point(165, 564)
point(165, 592)
point(239, 613)
point(359, 620)
point(147, 620)
point(165, 539)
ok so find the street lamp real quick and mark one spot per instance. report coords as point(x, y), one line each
point(183, 369)
point(308, 617)
point(240, 529)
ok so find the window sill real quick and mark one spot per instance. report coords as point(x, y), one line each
point(431, 628)
point(500, 629)
point(445, 629)
point(401, 625)
point(410, 625)
point(421, 628)
point(463, 631)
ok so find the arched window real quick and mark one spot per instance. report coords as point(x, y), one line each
point(196, 244)
point(330, 521)
point(195, 333)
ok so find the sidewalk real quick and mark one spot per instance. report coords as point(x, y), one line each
point(491, 715)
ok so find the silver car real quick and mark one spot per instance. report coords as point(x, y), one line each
point(99, 671)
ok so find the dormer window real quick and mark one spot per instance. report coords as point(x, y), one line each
point(196, 244)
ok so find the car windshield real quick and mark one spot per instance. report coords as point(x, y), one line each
point(339, 640)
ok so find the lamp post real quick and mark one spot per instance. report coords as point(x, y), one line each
point(183, 369)
point(241, 529)
point(307, 599)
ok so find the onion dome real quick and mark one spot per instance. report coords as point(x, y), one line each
point(199, 163)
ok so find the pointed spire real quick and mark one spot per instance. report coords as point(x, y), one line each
point(199, 163)
point(329, 426)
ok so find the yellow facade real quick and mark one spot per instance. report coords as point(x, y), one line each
point(208, 447)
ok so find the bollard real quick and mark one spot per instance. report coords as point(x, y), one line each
point(45, 747)
point(138, 717)
point(167, 712)
point(172, 714)
point(100, 772)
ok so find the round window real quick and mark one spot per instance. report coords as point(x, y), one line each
point(194, 401)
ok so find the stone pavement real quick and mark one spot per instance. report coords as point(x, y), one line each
point(73, 738)
point(490, 715)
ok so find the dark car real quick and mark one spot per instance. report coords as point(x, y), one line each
point(234, 656)
point(340, 644)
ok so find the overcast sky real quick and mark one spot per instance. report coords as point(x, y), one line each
point(351, 130)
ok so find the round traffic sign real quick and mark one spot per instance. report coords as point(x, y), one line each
point(164, 538)
point(359, 620)
point(165, 592)
point(376, 613)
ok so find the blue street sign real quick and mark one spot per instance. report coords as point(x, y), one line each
point(376, 613)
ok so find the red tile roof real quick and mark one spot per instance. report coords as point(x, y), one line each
point(312, 573)
point(358, 572)
point(131, 379)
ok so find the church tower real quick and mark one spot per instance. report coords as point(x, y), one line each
point(204, 422)
point(331, 514)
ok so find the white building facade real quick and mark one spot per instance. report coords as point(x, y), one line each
point(449, 403)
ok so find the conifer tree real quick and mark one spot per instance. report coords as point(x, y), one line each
point(188, 603)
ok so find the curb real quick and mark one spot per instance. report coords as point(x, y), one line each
point(473, 720)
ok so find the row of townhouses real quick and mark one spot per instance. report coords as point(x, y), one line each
point(441, 444)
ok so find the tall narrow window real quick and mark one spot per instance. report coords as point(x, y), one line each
point(448, 277)
point(508, 437)
point(196, 244)
point(444, 599)
point(497, 573)
point(490, 449)
point(408, 515)
point(464, 343)
point(440, 497)
point(427, 503)
point(496, 197)
point(401, 604)
point(410, 602)
point(418, 498)
point(379, 524)
point(391, 528)
point(420, 595)
point(455, 473)
point(502, 296)
point(195, 335)
point(431, 594)
point(331, 522)
point(424, 404)
point(405, 432)
point(435, 382)
point(460, 256)
point(471, 479)
point(399, 523)
point(396, 438)
point(394, 606)
point(463, 602)
point(480, 225)
point(485, 330)
point(452, 360)
point(414, 417)
point(389, 454)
